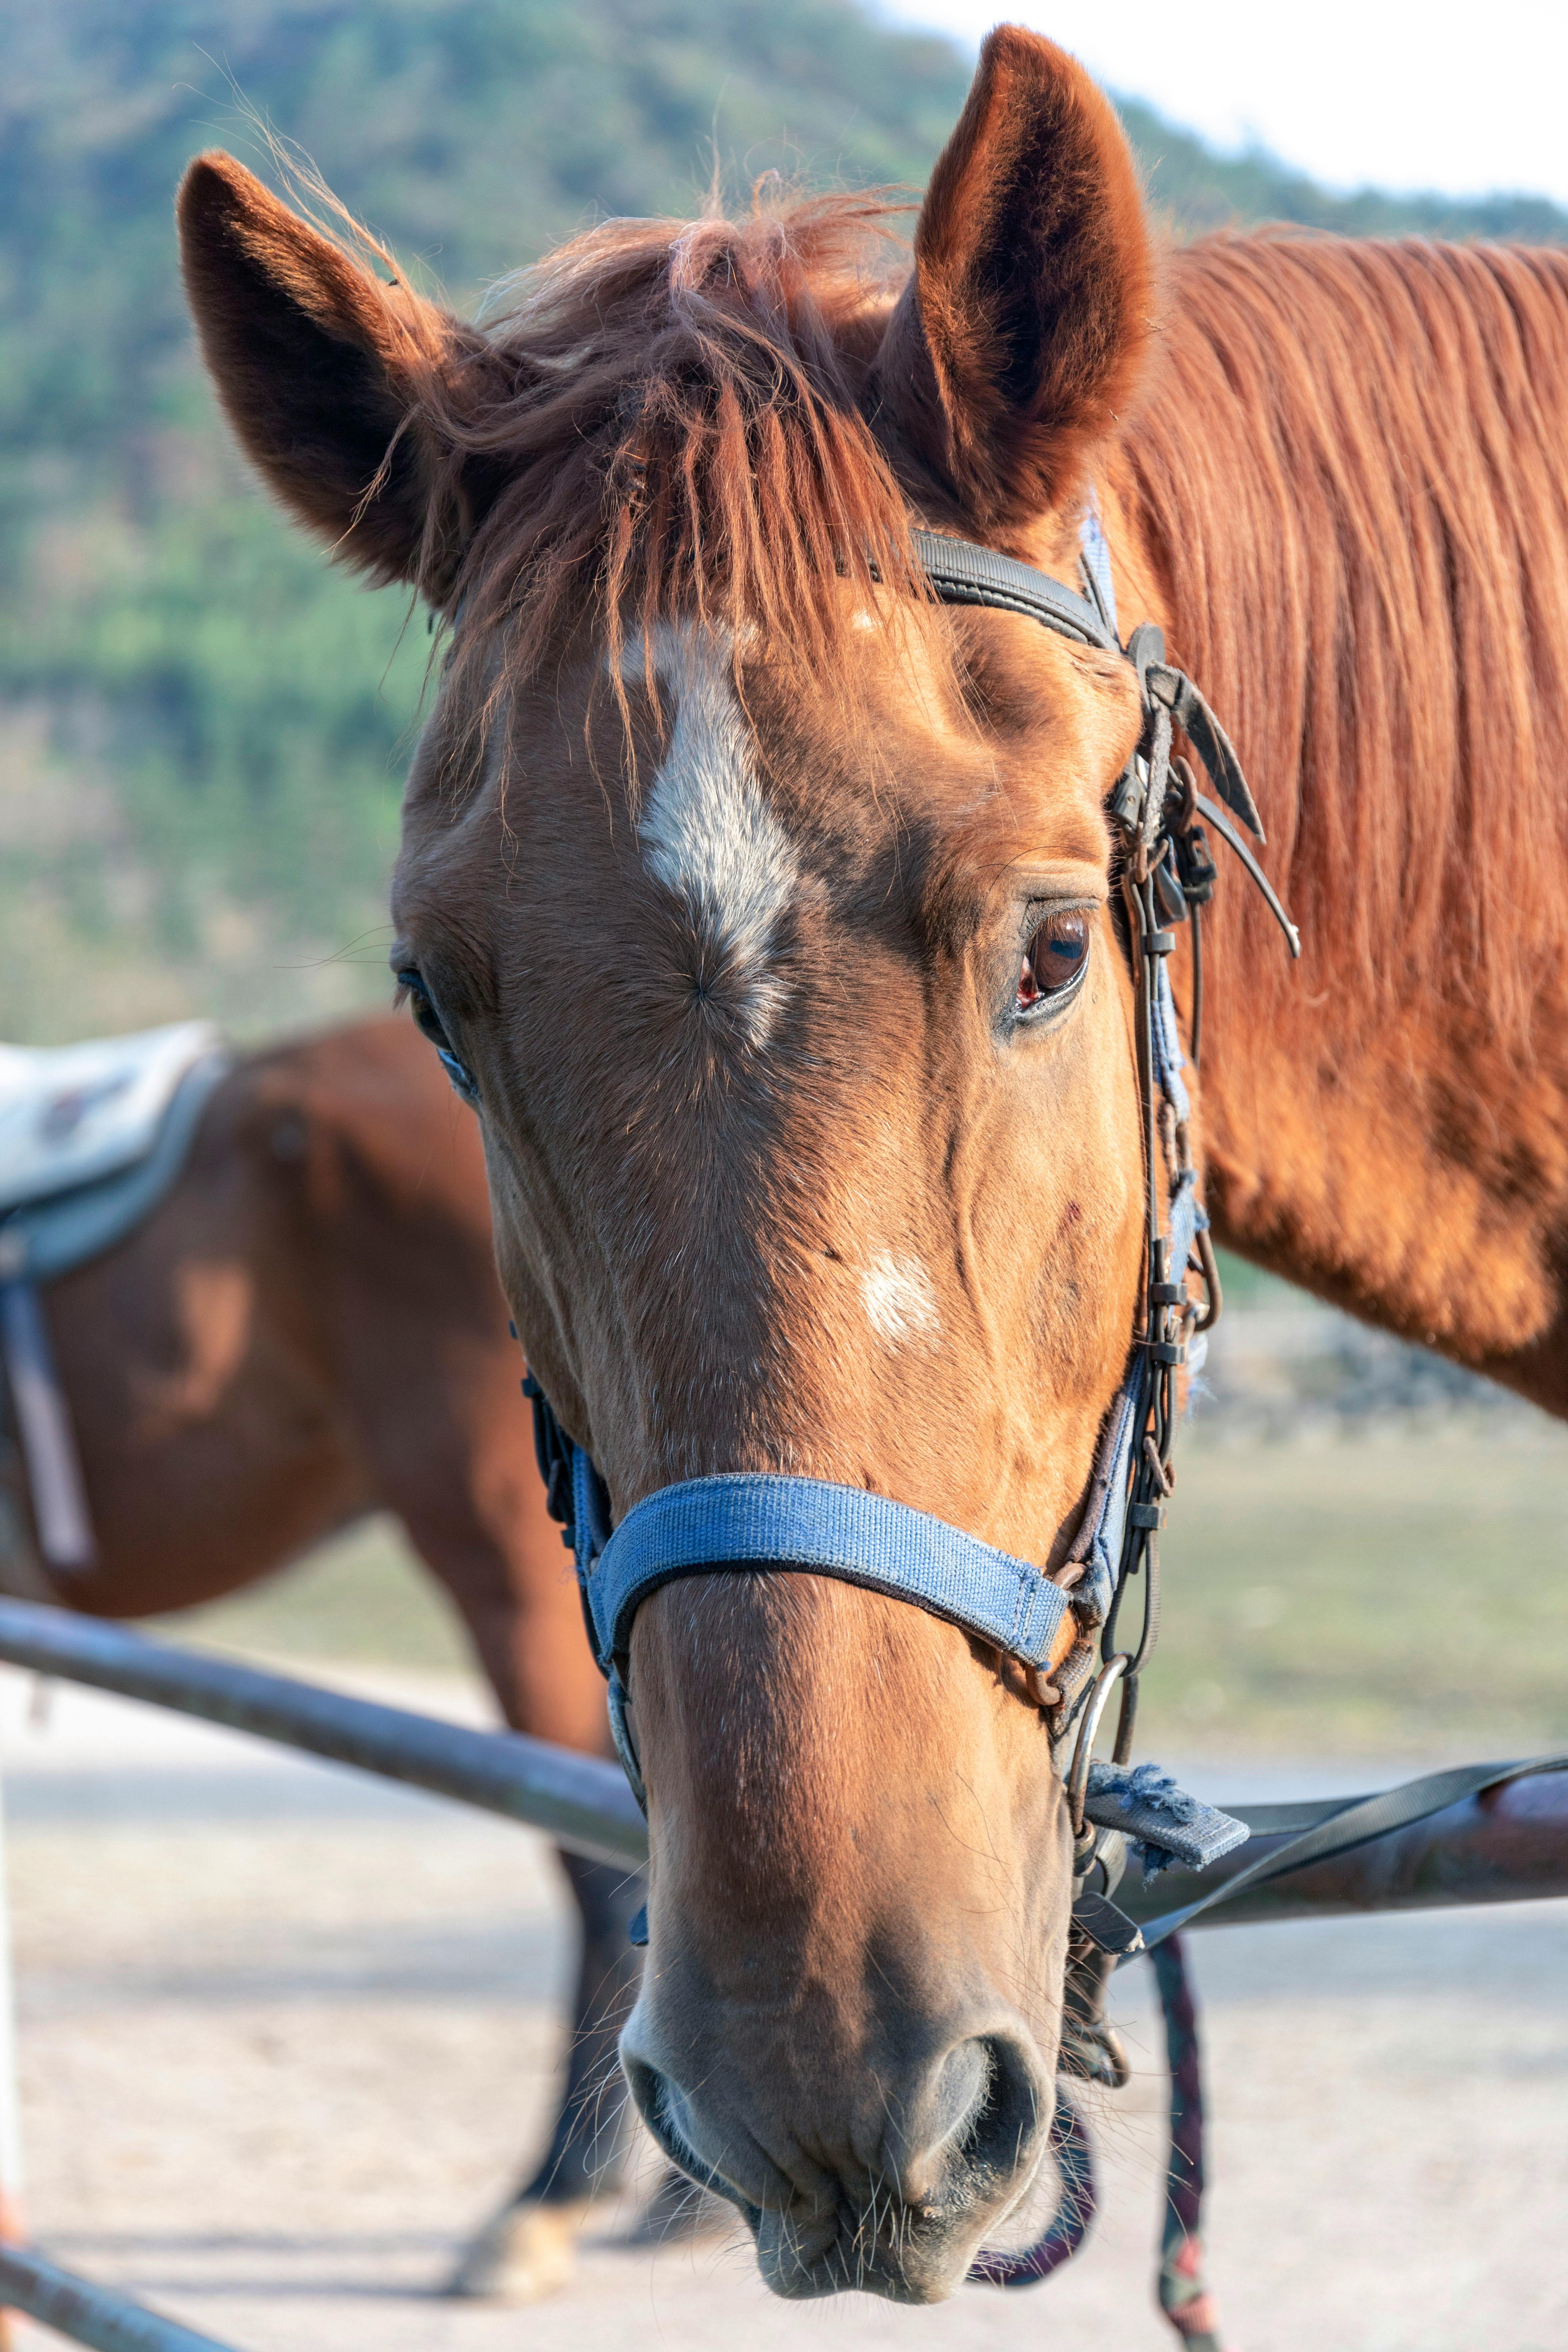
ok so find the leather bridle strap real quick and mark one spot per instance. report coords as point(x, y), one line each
point(962, 574)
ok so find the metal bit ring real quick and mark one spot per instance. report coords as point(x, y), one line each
point(1078, 1778)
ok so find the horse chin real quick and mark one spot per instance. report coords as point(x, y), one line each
point(911, 2257)
point(907, 2254)
point(912, 2273)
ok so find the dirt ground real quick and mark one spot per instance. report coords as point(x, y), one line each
point(286, 2034)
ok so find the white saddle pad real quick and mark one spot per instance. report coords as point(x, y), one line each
point(72, 1114)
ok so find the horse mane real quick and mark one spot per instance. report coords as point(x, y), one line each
point(1349, 475)
point(1346, 470)
point(665, 419)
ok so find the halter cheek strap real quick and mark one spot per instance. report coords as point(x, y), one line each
point(715, 1525)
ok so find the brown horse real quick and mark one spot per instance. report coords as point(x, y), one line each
point(309, 1328)
point(763, 904)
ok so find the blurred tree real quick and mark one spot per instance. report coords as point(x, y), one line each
point(201, 727)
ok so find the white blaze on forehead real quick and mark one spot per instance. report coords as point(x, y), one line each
point(707, 830)
point(900, 1301)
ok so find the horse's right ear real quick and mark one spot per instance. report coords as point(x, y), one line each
point(1022, 333)
point(319, 368)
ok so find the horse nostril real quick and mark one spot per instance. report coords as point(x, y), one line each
point(1006, 2111)
point(652, 2094)
point(662, 2105)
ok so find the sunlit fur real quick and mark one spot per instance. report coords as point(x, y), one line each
point(1334, 474)
point(1345, 496)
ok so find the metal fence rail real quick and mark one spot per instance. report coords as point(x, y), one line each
point(1507, 1844)
point(584, 1804)
point(88, 2313)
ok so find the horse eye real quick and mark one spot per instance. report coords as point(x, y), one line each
point(427, 1021)
point(1053, 960)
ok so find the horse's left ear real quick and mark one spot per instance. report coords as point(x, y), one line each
point(1022, 333)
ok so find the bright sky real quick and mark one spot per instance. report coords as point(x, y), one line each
point(1463, 99)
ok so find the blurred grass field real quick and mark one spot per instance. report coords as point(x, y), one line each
point(1402, 1592)
point(364, 1599)
point(1405, 1591)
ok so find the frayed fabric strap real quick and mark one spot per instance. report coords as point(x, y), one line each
point(744, 1519)
point(1166, 1826)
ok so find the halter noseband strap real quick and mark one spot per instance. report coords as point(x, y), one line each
point(717, 1524)
point(744, 1519)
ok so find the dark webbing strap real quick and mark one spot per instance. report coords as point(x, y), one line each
point(963, 575)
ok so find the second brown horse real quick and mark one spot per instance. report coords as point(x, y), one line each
point(309, 1328)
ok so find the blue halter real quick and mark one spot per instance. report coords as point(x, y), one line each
point(736, 1519)
point(742, 1519)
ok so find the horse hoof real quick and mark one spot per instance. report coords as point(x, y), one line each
point(527, 2252)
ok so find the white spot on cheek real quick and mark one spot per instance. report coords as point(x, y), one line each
point(900, 1300)
point(707, 831)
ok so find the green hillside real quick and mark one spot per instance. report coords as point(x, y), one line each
point(201, 728)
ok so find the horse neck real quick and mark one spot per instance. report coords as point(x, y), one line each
point(1345, 501)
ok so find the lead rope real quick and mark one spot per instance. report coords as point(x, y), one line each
point(1184, 2297)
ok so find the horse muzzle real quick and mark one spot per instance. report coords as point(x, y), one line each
point(884, 2178)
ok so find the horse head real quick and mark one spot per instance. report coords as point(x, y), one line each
point(761, 904)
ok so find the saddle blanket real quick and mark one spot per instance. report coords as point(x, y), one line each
point(72, 1115)
point(91, 1138)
